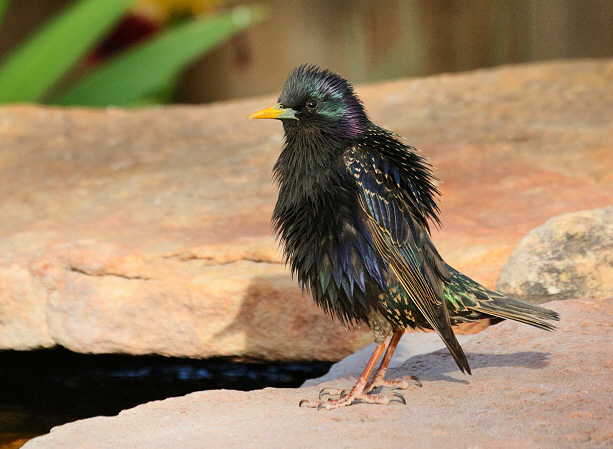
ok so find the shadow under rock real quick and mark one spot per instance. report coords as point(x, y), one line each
point(437, 365)
point(277, 324)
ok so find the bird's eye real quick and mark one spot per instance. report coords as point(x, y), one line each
point(311, 105)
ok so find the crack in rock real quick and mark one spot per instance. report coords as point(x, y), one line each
point(108, 273)
point(188, 257)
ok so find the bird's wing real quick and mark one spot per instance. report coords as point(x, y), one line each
point(395, 223)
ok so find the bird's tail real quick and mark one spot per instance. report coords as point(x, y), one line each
point(502, 306)
point(468, 300)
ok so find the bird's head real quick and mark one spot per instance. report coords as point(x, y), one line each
point(318, 101)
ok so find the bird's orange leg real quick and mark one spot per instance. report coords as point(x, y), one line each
point(378, 379)
point(357, 392)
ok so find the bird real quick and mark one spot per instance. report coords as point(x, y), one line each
point(353, 216)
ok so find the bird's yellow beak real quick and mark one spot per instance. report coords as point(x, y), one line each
point(276, 111)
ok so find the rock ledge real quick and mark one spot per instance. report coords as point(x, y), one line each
point(529, 388)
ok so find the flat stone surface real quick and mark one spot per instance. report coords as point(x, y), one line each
point(529, 389)
point(148, 231)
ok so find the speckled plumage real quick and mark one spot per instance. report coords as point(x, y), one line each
point(353, 216)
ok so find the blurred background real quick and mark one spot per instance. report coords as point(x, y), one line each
point(142, 52)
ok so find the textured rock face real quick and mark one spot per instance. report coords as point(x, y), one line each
point(570, 256)
point(148, 231)
point(529, 388)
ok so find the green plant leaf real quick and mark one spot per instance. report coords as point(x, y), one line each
point(147, 68)
point(41, 61)
point(3, 5)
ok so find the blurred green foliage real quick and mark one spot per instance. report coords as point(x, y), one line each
point(140, 75)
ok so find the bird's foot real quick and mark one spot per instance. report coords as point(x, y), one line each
point(349, 398)
point(379, 381)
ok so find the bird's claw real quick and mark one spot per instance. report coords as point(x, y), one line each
point(383, 399)
point(307, 403)
point(400, 397)
point(330, 392)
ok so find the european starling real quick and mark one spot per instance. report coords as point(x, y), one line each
point(353, 215)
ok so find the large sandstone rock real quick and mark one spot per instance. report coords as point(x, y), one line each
point(529, 389)
point(570, 256)
point(148, 231)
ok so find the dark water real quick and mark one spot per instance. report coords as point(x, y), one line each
point(46, 388)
